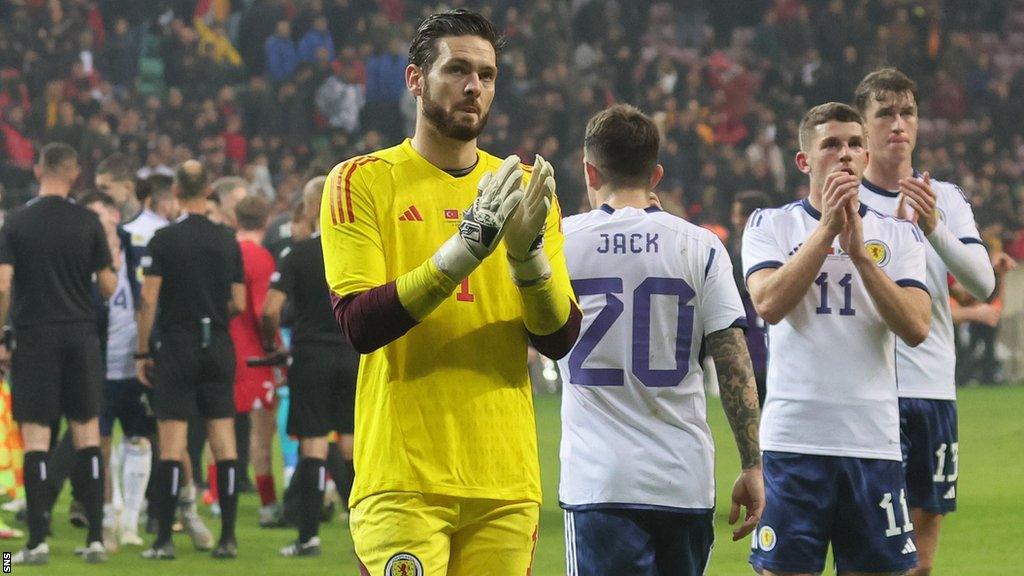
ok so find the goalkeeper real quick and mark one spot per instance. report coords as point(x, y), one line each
point(444, 263)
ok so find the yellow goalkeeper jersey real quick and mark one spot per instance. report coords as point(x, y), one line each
point(446, 408)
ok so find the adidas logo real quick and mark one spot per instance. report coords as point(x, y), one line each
point(950, 494)
point(909, 547)
point(412, 214)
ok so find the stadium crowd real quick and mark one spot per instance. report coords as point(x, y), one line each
point(268, 94)
point(274, 90)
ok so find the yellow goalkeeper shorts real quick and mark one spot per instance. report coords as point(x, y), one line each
point(413, 534)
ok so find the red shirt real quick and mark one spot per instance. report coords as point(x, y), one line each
point(235, 147)
point(258, 265)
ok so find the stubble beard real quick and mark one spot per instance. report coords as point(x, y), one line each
point(443, 120)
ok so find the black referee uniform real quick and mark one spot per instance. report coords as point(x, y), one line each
point(197, 262)
point(57, 367)
point(322, 375)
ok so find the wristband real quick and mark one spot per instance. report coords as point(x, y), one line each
point(142, 355)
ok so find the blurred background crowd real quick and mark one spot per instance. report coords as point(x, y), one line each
point(276, 91)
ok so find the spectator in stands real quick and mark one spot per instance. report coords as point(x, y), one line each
point(340, 98)
point(385, 84)
point(318, 37)
point(282, 57)
point(121, 56)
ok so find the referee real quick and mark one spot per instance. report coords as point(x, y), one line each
point(50, 250)
point(322, 376)
point(194, 274)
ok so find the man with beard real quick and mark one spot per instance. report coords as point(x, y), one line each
point(447, 478)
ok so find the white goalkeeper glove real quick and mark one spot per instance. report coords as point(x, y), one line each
point(483, 225)
point(524, 240)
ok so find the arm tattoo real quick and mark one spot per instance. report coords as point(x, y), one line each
point(739, 392)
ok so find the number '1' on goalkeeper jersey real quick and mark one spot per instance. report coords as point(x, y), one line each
point(447, 407)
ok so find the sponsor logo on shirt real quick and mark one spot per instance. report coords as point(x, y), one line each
point(411, 214)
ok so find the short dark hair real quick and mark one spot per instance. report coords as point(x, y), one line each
point(190, 178)
point(458, 22)
point(252, 212)
point(623, 143)
point(118, 165)
point(823, 113)
point(750, 200)
point(881, 82)
point(159, 187)
point(155, 186)
point(54, 155)
point(94, 196)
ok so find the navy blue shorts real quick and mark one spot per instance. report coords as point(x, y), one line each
point(129, 402)
point(930, 453)
point(612, 542)
point(857, 504)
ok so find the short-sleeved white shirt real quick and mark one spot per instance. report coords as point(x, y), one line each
point(929, 370)
point(831, 360)
point(634, 419)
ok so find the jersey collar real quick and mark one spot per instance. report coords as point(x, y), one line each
point(475, 174)
point(816, 214)
point(610, 210)
point(882, 191)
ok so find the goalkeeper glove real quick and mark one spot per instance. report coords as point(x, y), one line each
point(525, 238)
point(483, 225)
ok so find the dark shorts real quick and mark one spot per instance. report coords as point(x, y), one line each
point(613, 542)
point(931, 449)
point(321, 387)
point(129, 402)
point(857, 504)
point(192, 381)
point(56, 370)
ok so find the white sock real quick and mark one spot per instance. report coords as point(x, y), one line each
point(137, 466)
point(109, 515)
point(116, 460)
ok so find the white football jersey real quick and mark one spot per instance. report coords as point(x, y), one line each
point(122, 331)
point(928, 371)
point(142, 228)
point(634, 421)
point(831, 360)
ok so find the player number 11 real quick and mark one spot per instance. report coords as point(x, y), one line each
point(847, 283)
point(890, 514)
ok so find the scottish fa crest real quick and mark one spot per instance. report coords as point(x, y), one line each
point(403, 564)
point(878, 251)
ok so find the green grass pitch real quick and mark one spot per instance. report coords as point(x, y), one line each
point(983, 538)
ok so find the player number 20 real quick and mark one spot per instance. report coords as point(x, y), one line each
point(641, 332)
